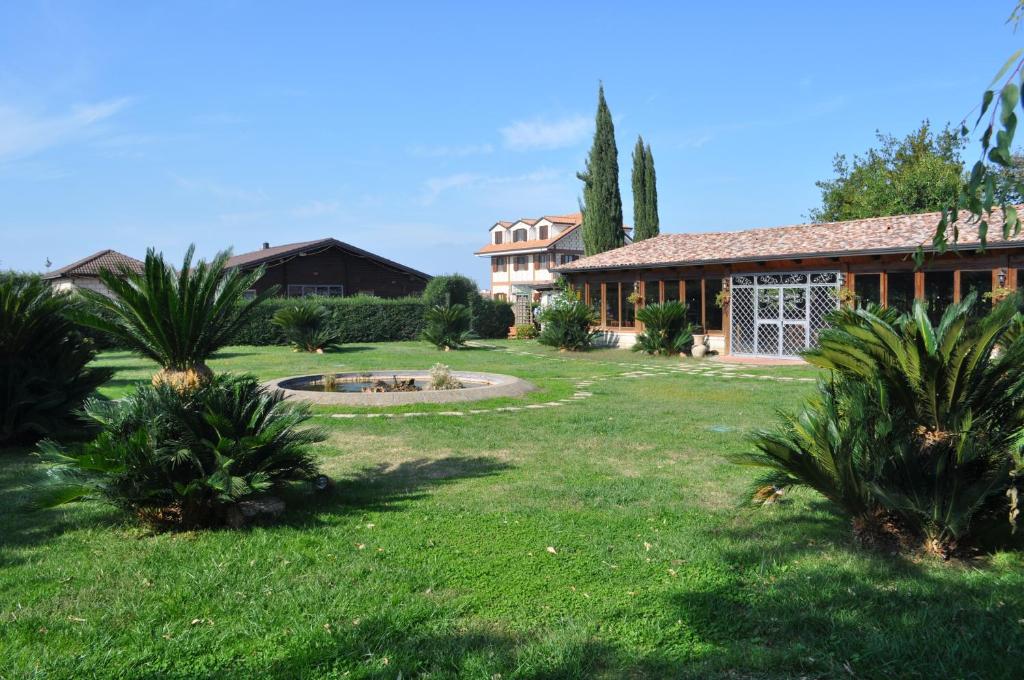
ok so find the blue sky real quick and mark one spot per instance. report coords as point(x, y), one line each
point(409, 128)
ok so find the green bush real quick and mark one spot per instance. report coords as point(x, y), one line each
point(666, 330)
point(354, 319)
point(451, 289)
point(526, 331)
point(185, 458)
point(44, 363)
point(448, 327)
point(916, 434)
point(567, 323)
point(492, 318)
point(307, 326)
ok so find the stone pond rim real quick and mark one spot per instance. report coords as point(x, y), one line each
point(495, 385)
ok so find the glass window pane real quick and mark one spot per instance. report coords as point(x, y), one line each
point(978, 282)
point(594, 299)
point(712, 312)
point(652, 296)
point(693, 299)
point(671, 290)
point(868, 289)
point(611, 304)
point(938, 292)
point(627, 308)
point(900, 290)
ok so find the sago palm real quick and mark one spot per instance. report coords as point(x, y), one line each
point(921, 423)
point(44, 362)
point(185, 457)
point(568, 323)
point(666, 330)
point(448, 326)
point(176, 318)
point(307, 325)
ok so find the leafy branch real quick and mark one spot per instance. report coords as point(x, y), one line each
point(978, 195)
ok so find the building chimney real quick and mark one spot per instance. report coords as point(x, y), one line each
point(266, 246)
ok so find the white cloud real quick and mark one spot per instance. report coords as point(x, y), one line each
point(216, 189)
point(696, 140)
point(23, 134)
point(542, 134)
point(451, 151)
point(436, 186)
point(316, 209)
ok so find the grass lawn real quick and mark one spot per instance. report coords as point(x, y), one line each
point(601, 538)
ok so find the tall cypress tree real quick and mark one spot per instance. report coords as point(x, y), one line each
point(602, 203)
point(652, 221)
point(640, 209)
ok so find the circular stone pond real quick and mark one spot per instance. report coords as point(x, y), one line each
point(348, 388)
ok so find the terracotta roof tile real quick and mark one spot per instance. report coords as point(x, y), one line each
point(571, 218)
point(535, 244)
point(896, 234)
point(91, 266)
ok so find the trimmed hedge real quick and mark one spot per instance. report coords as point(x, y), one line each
point(357, 319)
point(492, 318)
point(373, 319)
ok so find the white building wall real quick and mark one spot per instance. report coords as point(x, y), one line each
point(82, 282)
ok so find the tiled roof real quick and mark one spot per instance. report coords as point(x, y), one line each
point(535, 244)
point(877, 235)
point(572, 219)
point(268, 255)
point(91, 266)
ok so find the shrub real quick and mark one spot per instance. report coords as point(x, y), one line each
point(916, 434)
point(354, 319)
point(451, 289)
point(567, 323)
point(441, 378)
point(666, 330)
point(177, 319)
point(185, 458)
point(44, 363)
point(526, 331)
point(492, 318)
point(447, 327)
point(307, 326)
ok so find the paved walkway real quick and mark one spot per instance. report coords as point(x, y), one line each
point(582, 387)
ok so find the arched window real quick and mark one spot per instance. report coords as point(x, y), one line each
point(518, 235)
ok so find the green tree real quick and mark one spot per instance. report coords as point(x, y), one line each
point(651, 198)
point(645, 192)
point(915, 174)
point(639, 190)
point(978, 197)
point(602, 203)
point(1009, 181)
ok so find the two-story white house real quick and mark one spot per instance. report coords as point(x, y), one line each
point(522, 254)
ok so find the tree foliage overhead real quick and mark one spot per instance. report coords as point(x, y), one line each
point(602, 203)
point(991, 183)
point(901, 176)
point(645, 193)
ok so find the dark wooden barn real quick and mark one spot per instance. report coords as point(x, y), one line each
point(332, 268)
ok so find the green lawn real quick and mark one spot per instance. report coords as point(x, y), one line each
point(601, 538)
